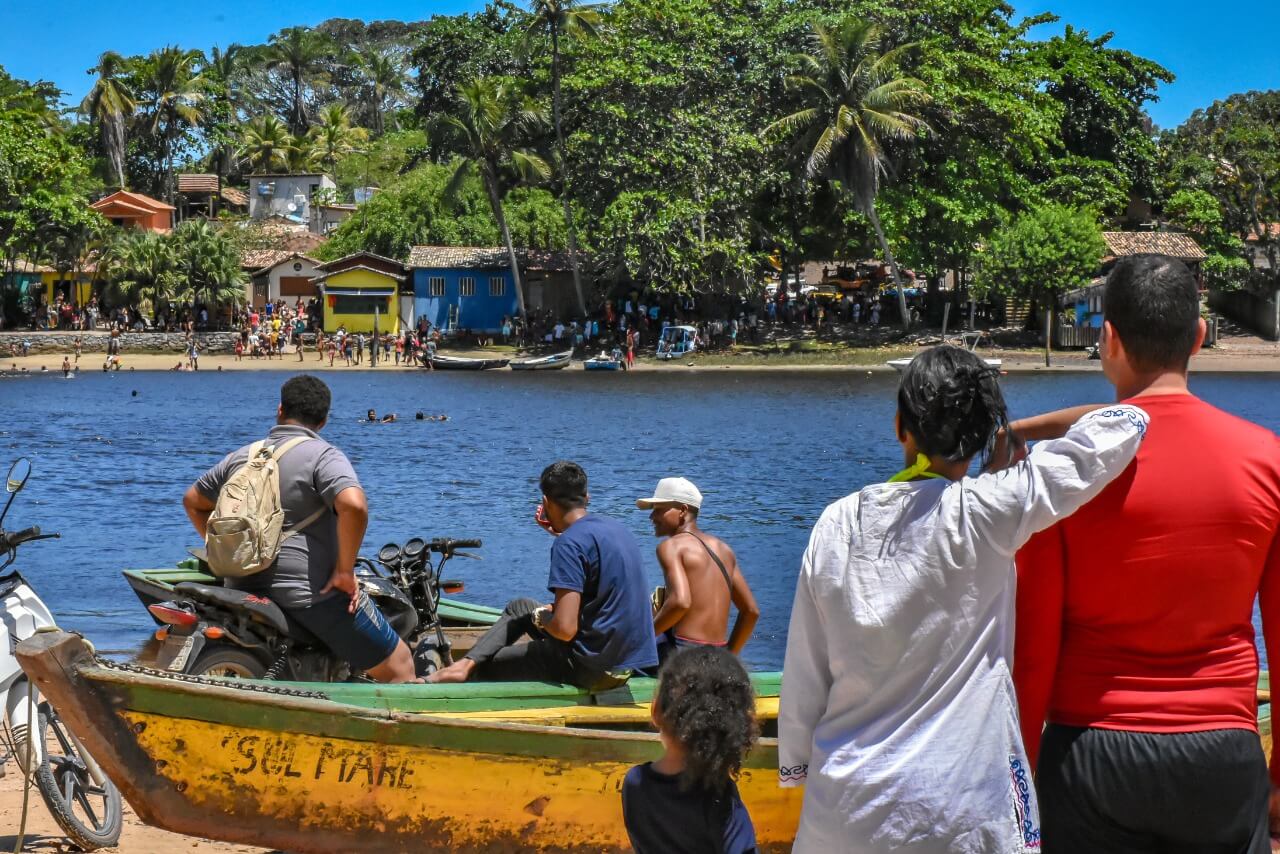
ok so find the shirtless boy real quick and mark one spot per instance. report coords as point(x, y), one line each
point(702, 576)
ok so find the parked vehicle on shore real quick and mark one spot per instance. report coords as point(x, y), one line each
point(212, 630)
point(677, 341)
point(82, 800)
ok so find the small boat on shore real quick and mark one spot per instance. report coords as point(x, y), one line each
point(968, 340)
point(317, 768)
point(554, 362)
point(901, 364)
point(602, 362)
point(461, 363)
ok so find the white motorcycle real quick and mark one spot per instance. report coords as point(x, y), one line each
point(83, 801)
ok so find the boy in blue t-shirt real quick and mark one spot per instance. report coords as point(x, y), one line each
point(600, 627)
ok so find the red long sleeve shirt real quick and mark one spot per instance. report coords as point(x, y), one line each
point(1136, 612)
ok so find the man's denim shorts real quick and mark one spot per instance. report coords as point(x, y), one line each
point(364, 639)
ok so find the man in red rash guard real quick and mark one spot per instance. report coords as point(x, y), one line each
point(1135, 640)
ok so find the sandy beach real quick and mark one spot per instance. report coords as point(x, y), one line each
point(1255, 357)
point(44, 836)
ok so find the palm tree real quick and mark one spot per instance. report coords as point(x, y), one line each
point(855, 104)
point(491, 121)
point(175, 94)
point(208, 264)
point(110, 106)
point(224, 73)
point(384, 84)
point(297, 51)
point(266, 144)
point(141, 270)
point(557, 19)
point(333, 137)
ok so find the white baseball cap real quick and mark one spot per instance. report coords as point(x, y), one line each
point(673, 490)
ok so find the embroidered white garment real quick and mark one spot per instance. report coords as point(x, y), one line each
point(897, 711)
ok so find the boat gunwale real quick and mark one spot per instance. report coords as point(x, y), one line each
point(315, 705)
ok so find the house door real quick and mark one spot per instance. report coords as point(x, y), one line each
point(453, 317)
point(259, 294)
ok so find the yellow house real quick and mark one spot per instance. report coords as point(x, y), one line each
point(75, 286)
point(360, 290)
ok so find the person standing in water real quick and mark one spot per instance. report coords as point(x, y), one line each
point(897, 713)
point(702, 576)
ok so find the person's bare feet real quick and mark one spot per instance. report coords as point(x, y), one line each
point(459, 671)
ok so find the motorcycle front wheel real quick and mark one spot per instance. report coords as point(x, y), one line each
point(89, 814)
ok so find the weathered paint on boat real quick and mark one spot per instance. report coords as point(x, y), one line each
point(311, 774)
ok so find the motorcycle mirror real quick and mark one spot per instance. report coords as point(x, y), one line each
point(15, 480)
point(19, 472)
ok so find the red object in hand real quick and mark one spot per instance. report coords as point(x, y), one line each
point(540, 516)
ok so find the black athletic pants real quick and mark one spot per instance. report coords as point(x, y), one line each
point(499, 658)
point(1121, 792)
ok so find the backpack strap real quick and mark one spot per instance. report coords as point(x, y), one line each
point(719, 563)
point(276, 454)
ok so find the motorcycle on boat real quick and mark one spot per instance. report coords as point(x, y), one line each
point(84, 803)
point(211, 630)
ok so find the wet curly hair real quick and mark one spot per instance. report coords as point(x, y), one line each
point(950, 401)
point(706, 702)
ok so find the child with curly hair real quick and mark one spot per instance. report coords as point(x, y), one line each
point(687, 802)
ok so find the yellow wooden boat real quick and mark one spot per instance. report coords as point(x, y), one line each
point(376, 768)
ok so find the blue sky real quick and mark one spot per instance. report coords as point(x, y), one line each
point(1215, 49)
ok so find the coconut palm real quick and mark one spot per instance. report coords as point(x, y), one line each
point(109, 106)
point(333, 137)
point(855, 103)
point(141, 270)
point(225, 73)
point(175, 94)
point(297, 51)
point(491, 121)
point(207, 263)
point(384, 85)
point(558, 19)
point(266, 145)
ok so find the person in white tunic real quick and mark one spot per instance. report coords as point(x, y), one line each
point(897, 711)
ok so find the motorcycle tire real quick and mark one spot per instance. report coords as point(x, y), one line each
point(227, 662)
point(426, 660)
point(65, 785)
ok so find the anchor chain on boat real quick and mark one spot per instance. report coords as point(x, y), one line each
point(237, 684)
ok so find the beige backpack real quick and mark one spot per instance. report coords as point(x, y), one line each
point(246, 527)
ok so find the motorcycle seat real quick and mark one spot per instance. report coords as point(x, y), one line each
point(259, 608)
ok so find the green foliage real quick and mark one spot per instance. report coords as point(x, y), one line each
point(1046, 250)
point(145, 270)
point(1231, 152)
point(421, 210)
point(380, 162)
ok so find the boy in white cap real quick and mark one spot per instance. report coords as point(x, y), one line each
point(702, 576)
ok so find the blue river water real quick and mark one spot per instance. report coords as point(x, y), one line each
point(769, 450)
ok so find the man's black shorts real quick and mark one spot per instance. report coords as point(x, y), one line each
point(1122, 792)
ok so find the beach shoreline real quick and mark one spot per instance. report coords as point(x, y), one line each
point(1222, 360)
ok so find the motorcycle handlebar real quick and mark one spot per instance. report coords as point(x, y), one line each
point(446, 545)
point(10, 541)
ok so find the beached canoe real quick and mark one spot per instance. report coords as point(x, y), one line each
point(554, 362)
point(339, 768)
point(601, 363)
point(460, 363)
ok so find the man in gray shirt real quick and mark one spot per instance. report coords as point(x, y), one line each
point(313, 577)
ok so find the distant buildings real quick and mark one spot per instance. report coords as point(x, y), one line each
point(134, 210)
point(292, 196)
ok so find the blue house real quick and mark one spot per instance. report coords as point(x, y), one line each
point(471, 287)
point(462, 287)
